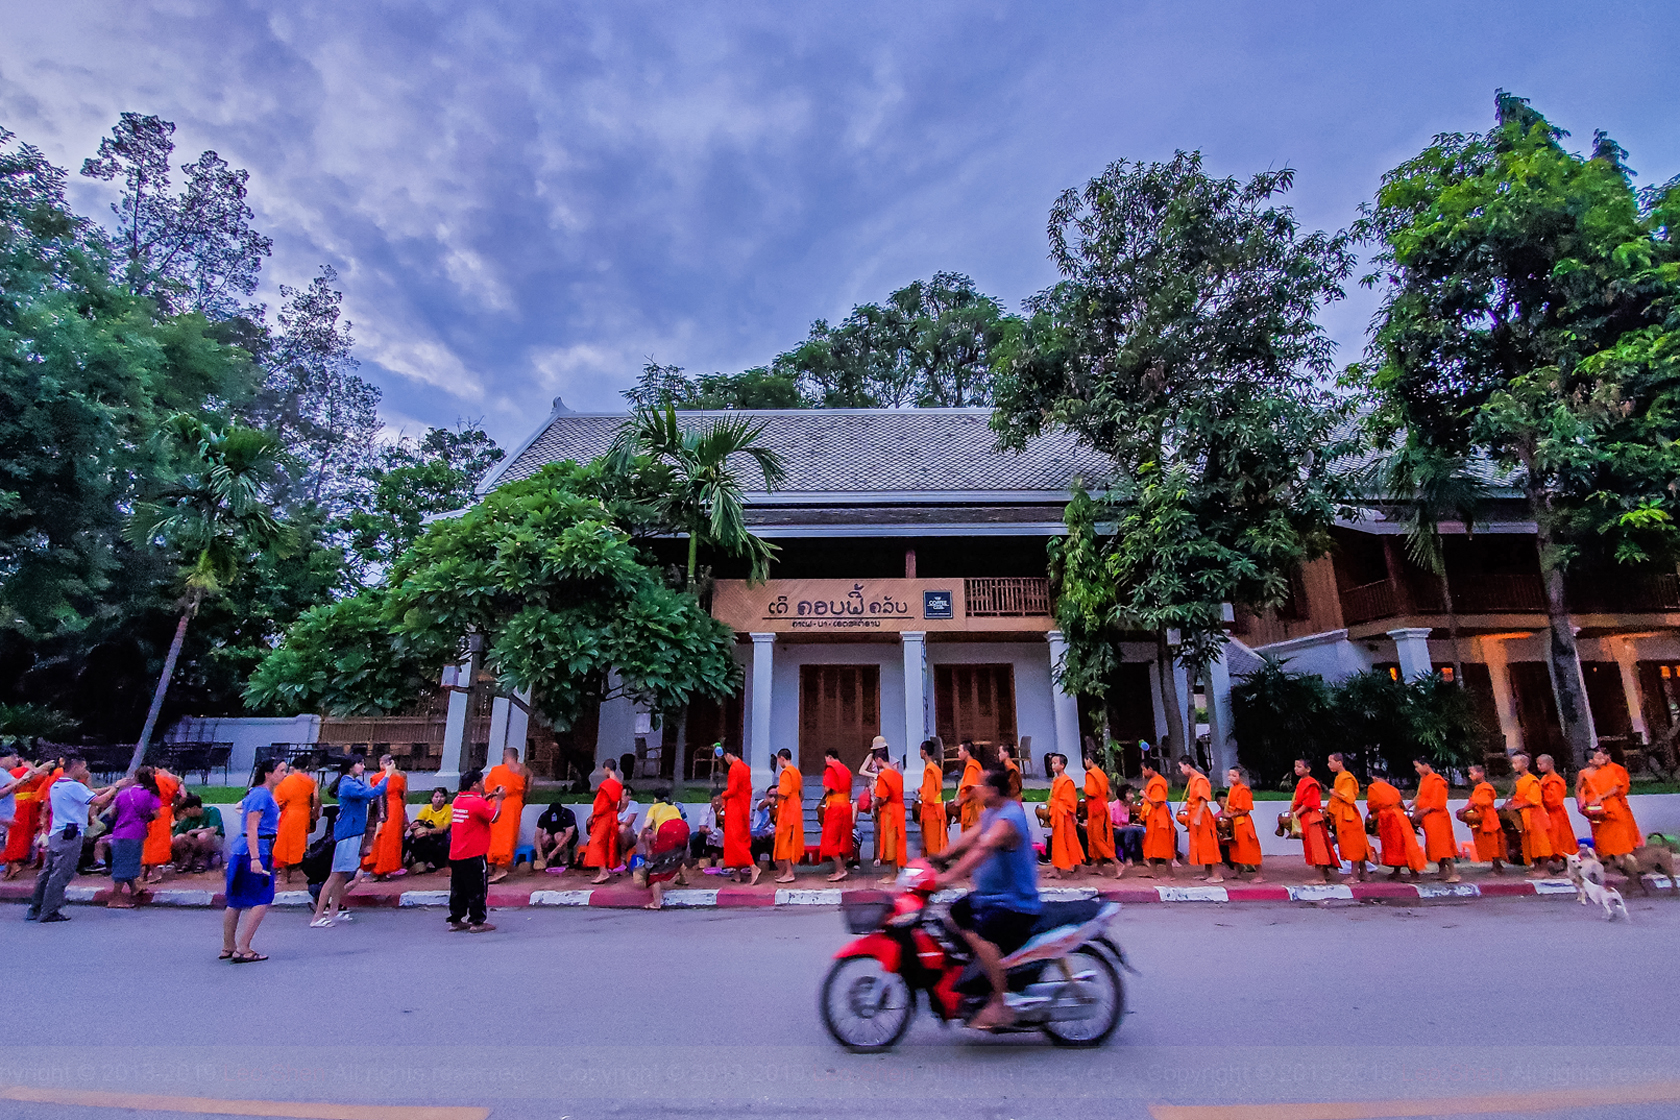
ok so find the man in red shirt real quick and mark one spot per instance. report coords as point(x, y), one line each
point(469, 845)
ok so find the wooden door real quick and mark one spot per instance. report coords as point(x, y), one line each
point(1537, 709)
point(839, 707)
point(975, 702)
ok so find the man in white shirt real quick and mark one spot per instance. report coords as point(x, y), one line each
point(69, 799)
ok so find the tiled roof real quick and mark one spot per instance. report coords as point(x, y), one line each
point(877, 451)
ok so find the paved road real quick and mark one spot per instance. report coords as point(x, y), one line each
point(580, 1014)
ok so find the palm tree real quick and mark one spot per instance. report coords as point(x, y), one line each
point(212, 518)
point(702, 495)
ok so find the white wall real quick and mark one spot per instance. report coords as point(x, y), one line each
point(1035, 712)
point(248, 734)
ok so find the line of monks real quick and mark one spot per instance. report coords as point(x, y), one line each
point(1332, 830)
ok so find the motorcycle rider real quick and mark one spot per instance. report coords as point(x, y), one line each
point(998, 915)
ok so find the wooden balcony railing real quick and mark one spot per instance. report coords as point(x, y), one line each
point(1012, 597)
point(1368, 602)
point(1605, 593)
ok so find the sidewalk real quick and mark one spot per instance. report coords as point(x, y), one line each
point(1288, 880)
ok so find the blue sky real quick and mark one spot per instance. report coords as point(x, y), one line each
point(525, 200)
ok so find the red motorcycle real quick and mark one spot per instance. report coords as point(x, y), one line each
point(1065, 981)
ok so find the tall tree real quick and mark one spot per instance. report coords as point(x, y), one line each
point(759, 387)
point(1531, 313)
point(417, 479)
point(189, 251)
point(697, 490)
point(213, 518)
point(1182, 342)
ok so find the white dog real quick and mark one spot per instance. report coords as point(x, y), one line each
point(1587, 873)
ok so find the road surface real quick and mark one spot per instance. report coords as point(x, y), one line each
point(588, 1014)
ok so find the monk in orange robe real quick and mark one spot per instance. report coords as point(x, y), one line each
point(388, 844)
point(1239, 807)
point(160, 833)
point(930, 799)
point(1527, 800)
point(514, 780)
point(968, 788)
point(20, 837)
point(1307, 807)
point(1065, 853)
point(1400, 848)
point(1486, 830)
point(1615, 833)
point(1200, 823)
point(1345, 821)
point(836, 841)
point(1160, 838)
point(737, 815)
point(602, 851)
point(790, 815)
point(891, 848)
point(1099, 826)
point(1006, 755)
point(300, 808)
point(1439, 845)
point(1554, 795)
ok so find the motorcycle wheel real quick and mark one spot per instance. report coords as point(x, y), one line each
point(865, 1008)
point(1103, 989)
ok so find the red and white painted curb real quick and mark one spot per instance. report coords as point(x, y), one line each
point(625, 896)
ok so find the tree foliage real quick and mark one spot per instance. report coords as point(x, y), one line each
point(568, 607)
point(416, 479)
point(1531, 315)
point(1182, 342)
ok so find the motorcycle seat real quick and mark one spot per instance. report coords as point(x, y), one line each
point(1057, 914)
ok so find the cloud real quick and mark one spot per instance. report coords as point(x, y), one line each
point(524, 200)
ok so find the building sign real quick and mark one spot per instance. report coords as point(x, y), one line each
point(854, 607)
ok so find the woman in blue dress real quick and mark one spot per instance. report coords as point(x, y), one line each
point(250, 865)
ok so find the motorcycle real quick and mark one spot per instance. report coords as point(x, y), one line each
point(1065, 981)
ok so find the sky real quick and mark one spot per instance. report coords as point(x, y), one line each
point(526, 201)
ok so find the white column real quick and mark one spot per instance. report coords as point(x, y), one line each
point(1627, 659)
point(758, 747)
point(1223, 747)
point(915, 695)
point(1495, 655)
point(498, 736)
point(1412, 644)
point(455, 724)
point(1067, 712)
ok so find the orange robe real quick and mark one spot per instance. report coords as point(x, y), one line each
point(970, 781)
point(890, 846)
point(388, 844)
point(1014, 769)
point(1399, 840)
point(837, 811)
point(1528, 799)
point(1065, 852)
point(1160, 838)
point(1554, 793)
point(1099, 827)
point(1308, 807)
point(737, 817)
point(1344, 818)
point(160, 833)
point(790, 815)
point(1616, 834)
point(504, 831)
point(20, 837)
point(1439, 843)
point(1202, 838)
point(295, 795)
point(603, 826)
point(1488, 833)
point(1245, 842)
point(936, 831)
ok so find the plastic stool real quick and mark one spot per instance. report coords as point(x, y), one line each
point(526, 852)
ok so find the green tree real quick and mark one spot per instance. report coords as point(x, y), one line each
point(1282, 715)
point(567, 607)
point(1531, 315)
point(416, 479)
point(214, 517)
point(1182, 342)
point(759, 387)
point(697, 490)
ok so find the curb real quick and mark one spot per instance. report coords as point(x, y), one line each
point(625, 896)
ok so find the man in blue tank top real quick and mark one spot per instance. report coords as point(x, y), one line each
point(998, 915)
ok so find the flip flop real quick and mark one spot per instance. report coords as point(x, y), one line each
point(225, 955)
point(251, 958)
